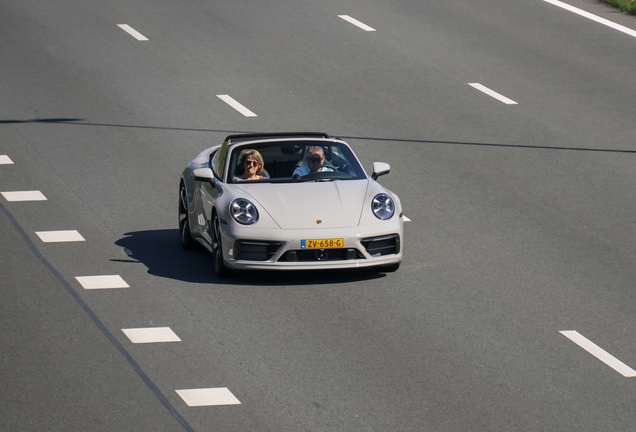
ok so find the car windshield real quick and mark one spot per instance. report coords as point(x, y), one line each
point(293, 161)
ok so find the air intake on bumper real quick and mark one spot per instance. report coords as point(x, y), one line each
point(306, 255)
point(255, 250)
point(383, 245)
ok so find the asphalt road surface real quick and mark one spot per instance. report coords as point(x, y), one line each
point(509, 127)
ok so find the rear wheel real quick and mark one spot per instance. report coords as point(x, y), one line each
point(184, 224)
point(217, 250)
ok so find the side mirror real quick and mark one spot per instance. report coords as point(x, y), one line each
point(203, 175)
point(380, 168)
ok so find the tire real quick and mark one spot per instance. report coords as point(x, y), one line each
point(185, 234)
point(220, 270)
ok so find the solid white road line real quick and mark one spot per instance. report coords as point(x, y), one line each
point(593, 17)
point(237, 106)
point(151, 335)
point(5, 160)
point(599, 353)
point(131, 31)
point(102, 282)
point(24, 196)
point(60, 236)
point(357, 23)
point(492, 93)
point(208, 397)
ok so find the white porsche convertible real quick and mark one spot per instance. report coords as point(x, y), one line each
point(289, 201)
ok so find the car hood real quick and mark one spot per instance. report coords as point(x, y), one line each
point(333, 204)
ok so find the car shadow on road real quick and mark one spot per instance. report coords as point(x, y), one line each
point(161, 252)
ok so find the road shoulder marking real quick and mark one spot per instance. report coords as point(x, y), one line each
point(501, 98)
point(102, 282)
point(60, 236)
point(151, 335)
point(593, 17)
point(599, 353)
point(131, 31)
point(356, 23)
point(23, 196)
point(208, 397)
point(237, 106)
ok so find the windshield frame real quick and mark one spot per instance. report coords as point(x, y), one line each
point(283, 156)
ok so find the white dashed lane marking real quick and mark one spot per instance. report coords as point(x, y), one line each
point(5, 160)
point(102, 282)
point(593, 17)
point(356, 23)
point(151, 335)
point(24, 196)
point(237, 106)
point(492, 93)
point(599, 353)
point(208, 397)
point(60, 236)
point(131, 31)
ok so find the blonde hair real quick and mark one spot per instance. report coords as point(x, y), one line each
point(256, 155)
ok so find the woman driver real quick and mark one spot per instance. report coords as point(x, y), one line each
point(252, 163)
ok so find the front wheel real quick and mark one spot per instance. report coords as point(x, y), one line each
point(220, 270)
point(184, 224)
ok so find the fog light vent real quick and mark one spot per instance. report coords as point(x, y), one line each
point(255, 250)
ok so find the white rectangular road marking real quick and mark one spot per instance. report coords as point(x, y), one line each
point(593, 17)
point(151, 335)
point(357, 23)
point(5, 160)
point(24, 196)
point(599, 353)
point(60, 236)
point(237, 106)
point(492, 93)
point(102, 282)
point(208, 397)
point(131, 31)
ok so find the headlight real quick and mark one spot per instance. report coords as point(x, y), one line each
point(243, 211)
point(382, 206)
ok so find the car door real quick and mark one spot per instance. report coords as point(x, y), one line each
point(209, 191)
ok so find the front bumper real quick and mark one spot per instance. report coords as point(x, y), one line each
point(248, 248)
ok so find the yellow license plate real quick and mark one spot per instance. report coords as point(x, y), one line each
point(321, 244)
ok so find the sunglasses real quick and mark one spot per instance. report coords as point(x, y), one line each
point(251, 163)
point(314, 159)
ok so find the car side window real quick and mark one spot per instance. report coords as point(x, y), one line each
point(218, 160)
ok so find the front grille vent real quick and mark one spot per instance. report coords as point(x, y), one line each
point(255, 250)
point(380, 246)
point(307, 255)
